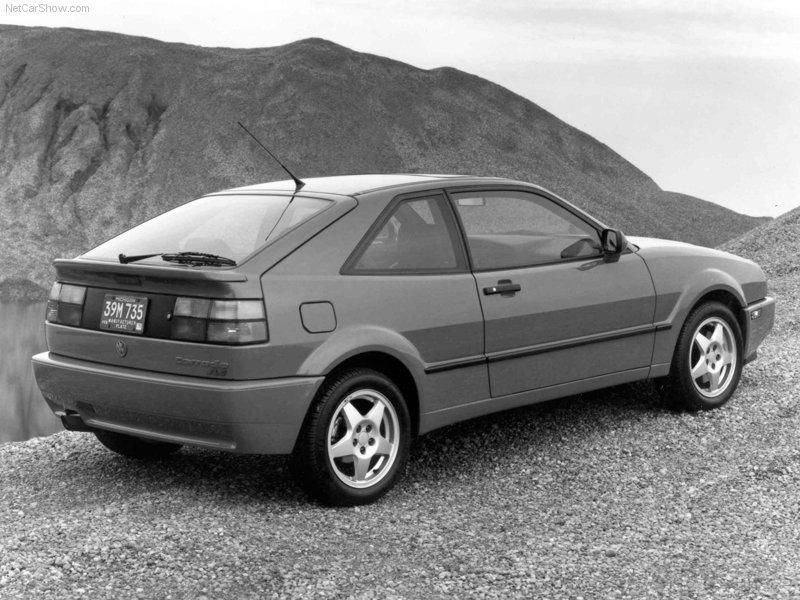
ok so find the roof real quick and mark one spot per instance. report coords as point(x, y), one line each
point(352, 185)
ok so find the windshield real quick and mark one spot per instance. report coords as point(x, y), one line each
point(232, 226)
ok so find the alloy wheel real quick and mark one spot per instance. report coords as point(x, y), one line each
point(712, 360)
point(363, 438)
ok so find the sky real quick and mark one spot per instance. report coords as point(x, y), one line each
point(702, 96)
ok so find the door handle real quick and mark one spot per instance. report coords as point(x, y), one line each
point(504, 287)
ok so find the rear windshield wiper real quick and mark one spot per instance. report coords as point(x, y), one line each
point(186, 258)
point(199, 258)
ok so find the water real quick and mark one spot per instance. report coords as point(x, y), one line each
point(23, 412)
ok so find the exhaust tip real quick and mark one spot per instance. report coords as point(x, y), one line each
point(72, 421)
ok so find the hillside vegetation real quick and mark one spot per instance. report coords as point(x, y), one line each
point(99, 131)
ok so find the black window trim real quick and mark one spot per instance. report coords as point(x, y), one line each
point(596, 225)
point(463, 261)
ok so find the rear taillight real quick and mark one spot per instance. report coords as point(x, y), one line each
point(65, 304)
point(219, 321)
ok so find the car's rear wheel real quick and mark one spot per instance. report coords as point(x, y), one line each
point(708, 359)
point(135, 447)
point(354, 443)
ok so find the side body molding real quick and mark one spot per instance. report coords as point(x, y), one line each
point(436, 390)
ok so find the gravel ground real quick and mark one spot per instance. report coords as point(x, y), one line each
point(605, 495)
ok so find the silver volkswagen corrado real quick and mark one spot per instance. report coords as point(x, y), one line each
point(336, 322)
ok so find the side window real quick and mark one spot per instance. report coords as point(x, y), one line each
point(418, 236)
point(515, 229)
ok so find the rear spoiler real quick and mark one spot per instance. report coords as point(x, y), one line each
point(66, 267)
point(176, 280)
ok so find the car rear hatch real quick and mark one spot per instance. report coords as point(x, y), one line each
point(199, 319)
point(150, 340)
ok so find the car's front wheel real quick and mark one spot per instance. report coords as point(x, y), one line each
point(708, 359)
point(135, 447)
point(354, 443)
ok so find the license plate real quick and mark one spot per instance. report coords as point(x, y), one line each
point(123, 313)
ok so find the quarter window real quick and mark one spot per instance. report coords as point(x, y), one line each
point(515, 229)
point(418, 236)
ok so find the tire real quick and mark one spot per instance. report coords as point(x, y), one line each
point(708, 358)
point(134, 447)
point(353, 446)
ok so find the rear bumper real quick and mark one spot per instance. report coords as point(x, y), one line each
point(259, 417)
point(760, 317)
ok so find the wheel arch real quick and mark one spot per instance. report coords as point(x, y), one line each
point(376, 348)
point(391, 367)
point(706, 285)
point(726, 296)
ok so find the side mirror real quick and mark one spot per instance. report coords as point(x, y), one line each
point(613, 242)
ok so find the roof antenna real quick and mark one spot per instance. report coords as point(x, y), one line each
point(297, 182)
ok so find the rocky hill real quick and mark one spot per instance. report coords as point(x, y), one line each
point(99, 131)
point(775, 245)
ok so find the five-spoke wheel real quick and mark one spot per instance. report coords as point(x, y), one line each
point(713, 357)
point(363, 438)
point(708, 358)
point(354, 443)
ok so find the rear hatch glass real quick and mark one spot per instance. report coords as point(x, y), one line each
point(233, 226)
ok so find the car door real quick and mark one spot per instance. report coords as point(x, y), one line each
point(410, 275)
point(555, 310)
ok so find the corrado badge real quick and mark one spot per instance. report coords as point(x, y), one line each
point(215, 368)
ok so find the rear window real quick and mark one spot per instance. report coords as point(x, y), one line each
point(232, 226)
